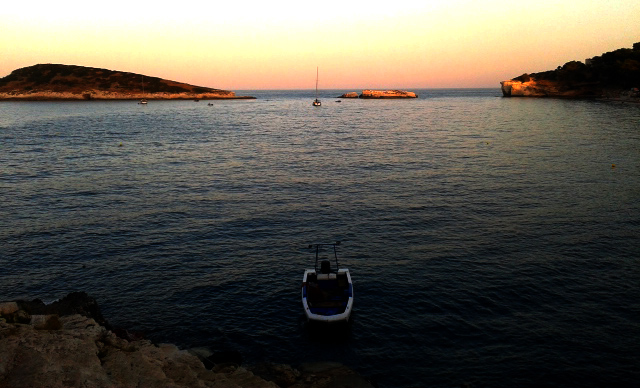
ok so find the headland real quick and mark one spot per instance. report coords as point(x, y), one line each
point(613, 75)
point(50, 82)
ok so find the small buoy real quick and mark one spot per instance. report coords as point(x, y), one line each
point(120, 145)
point(613, 166)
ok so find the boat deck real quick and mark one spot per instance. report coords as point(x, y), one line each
point(328, 294)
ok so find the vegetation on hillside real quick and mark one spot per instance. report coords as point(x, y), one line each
point(71, 78)
point(615, 69)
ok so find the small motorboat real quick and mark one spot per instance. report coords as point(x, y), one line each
point(327, 293)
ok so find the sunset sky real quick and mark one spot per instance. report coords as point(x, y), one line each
point(238, 45)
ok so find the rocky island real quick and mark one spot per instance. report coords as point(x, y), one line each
point(70, 82)
point(612, 75)
point(68, 343)
point(380, 94)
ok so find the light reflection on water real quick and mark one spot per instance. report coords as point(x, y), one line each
point(481, 232)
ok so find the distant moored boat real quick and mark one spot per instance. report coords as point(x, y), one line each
point(144, 100)
point(316, 102)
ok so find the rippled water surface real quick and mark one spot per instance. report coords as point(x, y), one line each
point(491, 241)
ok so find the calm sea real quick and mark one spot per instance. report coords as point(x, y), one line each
point(492, 241)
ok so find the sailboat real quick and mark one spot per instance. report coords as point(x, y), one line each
point(316, 102)
point(144, 100)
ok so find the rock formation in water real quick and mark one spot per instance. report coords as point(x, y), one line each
point(68, 344)
point(70, 82)
point(387, 94)
point(613, 75)
point(380, 94)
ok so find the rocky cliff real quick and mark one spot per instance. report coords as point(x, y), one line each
point(69, 344)
point(614, 75)
point(534, 87)
point(69, 82)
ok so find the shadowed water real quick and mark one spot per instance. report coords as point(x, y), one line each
point(490, 240)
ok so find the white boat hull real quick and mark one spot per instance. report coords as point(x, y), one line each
point(332, 301)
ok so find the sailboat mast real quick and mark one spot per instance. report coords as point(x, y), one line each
point(316, 102)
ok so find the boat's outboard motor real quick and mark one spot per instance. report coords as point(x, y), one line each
point(325, 266)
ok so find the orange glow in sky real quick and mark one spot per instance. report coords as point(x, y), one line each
point(356, 44)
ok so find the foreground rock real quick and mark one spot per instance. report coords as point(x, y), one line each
point(69, 82)
point(81, 353)
point(63, 345)
point(613, 75)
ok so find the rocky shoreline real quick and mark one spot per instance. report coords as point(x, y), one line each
point(612, 76)
point(68, 343)
point(545, 88)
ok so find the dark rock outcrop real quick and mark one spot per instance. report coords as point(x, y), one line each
point(73, 303)
point(349, 95)
point(613, 75)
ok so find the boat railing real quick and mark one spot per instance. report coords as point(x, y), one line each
point(325, 265)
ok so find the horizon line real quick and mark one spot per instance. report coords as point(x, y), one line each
point(356, 89)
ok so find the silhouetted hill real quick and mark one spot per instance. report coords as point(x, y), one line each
point(55, 81)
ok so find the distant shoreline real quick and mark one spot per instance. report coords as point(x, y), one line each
point(57, 82)
point(108, 96)
point(49, 99)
